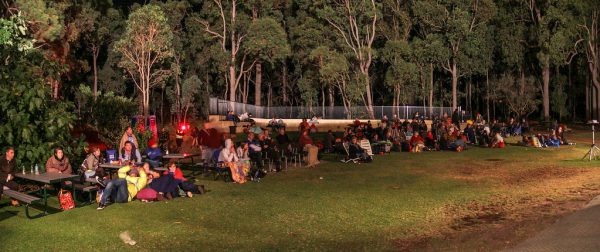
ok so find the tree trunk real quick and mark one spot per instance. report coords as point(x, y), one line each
point(232, 86)
point(258, 84)
point(369, 94)
point(284, 83)
point(487, 90)
point(331, 101)
point(454, 73)
point(95, 51)
point(546, 92)
point(587, 98)
point(431, 90)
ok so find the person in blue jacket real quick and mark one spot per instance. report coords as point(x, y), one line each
point(154, 153)
point(553, 140)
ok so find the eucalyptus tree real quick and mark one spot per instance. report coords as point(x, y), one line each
point(458, 23)
point(146, 49)
point(355, 22)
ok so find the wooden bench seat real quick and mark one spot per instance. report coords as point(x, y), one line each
point(24, 198)
point(86, 189)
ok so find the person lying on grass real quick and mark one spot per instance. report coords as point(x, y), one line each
point(123, 189)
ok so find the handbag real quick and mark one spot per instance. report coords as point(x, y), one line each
point(66, 200)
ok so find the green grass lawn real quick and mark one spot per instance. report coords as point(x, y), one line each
point(333, 206)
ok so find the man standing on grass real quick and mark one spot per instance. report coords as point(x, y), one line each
point(7, 173)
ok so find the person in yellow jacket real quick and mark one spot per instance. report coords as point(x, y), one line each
point(123, 189)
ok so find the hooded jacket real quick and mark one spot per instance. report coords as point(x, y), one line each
point(226, 154)
point(54, 165)
point(134, 184)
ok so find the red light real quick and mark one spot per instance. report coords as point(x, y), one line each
point(183, 127)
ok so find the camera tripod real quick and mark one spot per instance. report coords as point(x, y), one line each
point(594, 151)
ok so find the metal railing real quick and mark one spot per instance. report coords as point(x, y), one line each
point(220, 107)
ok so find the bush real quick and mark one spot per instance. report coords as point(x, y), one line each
point(109, 114)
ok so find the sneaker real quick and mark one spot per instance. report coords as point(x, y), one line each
point(101, 206)
point(15, 203)
point(100, 181)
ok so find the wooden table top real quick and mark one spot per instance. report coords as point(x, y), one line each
point(48, 177)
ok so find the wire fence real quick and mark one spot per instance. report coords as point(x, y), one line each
point(221, 107)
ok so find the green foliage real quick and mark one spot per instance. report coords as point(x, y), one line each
point(519, 95)
point(558, 98)
point(33, 123)
point(190, 97)
point(13, 33)
point(267, 40)
point(107, 114)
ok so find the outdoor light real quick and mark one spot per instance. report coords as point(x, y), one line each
point(184, 126)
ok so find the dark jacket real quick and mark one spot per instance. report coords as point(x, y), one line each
point(7, 167)
point(154, 153)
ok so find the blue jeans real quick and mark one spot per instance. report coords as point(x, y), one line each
point(117, 190)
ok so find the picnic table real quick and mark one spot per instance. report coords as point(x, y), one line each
point(111, 168)
point(47, 179)
point(179, 157)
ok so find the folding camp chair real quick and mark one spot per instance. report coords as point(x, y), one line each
point(366, 145)
point(347, 159)
point(219, 168)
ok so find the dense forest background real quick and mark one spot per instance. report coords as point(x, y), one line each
point(502, 58)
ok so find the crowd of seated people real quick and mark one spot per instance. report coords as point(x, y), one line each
point(554, 138)
point(135, 179)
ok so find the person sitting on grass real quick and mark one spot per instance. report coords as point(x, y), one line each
point(129, 153)
point(8, 166)
point(58, 163)
point(329, 141)
point(154, 153)
point(430, 141)
point(124, 188)
point(188, 187)
point(553, 140)
point(469, 131)
point(417, 143)
point(355, 151)
point(457, 145)
point(497, 141)
point(560, 134)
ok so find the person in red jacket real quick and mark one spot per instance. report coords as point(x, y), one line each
point(417, 142)
point(305, 139)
